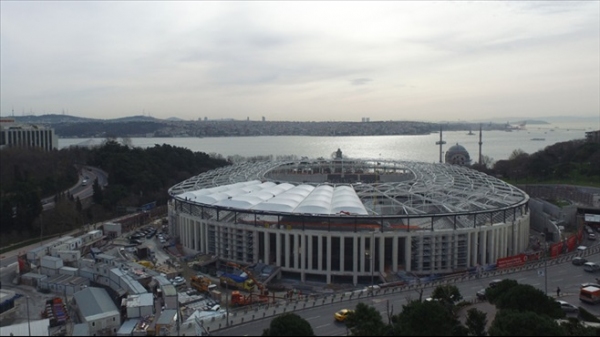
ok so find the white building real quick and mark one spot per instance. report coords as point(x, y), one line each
point(26, 135)
point(32, 328)
point(139, 305)
point(96, 308)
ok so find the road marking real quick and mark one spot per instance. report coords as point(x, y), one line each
point(320, 326)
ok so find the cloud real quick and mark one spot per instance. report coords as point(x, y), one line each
point(294, 60)
point(360, 81)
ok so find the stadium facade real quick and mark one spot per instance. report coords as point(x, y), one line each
point(343, 220)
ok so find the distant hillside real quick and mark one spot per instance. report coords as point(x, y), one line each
point(61, 119)
point(545, 120)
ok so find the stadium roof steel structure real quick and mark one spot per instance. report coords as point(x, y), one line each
point(360, 187)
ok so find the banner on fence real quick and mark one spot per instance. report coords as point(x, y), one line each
point(511, 261)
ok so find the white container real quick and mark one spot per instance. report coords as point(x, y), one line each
point(69, 255)
point(51, 262)
point(68, 271)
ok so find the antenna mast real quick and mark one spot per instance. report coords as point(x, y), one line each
point(480, 142)
point(440, 143)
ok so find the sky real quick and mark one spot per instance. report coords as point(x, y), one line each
point(301, 61)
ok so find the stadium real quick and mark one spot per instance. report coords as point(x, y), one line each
point(347, 220)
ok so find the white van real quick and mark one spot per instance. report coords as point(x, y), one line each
point(591, 267)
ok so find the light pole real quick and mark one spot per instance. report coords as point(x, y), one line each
point(369, 254)
point(545, 265)
point(372, 262)
point(227, 301)
point(28, 322)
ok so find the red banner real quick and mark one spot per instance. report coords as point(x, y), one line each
point(572, 243)
point(556, 249)
point(511, 261)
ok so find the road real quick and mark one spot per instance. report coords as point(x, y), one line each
point(565, 275)
point(83, 191)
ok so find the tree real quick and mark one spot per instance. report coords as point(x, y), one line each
point(365, 321)
point(97, 196)
point(447, 294)
point(516, 154)
point(492, 294)
point(289, 324)
point(525, 297)
point(427, 318)
point(524, 323)
point(78, 205)
point(573, 327)
point(476, 322)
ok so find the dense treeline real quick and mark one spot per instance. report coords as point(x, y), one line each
point(136, 177)
point(572, 162)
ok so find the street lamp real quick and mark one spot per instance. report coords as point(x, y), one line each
point(370, 254)
point(545, 265)
point(28, 322)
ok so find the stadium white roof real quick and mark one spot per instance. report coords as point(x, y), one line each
point(366, 187)
point(268, 196)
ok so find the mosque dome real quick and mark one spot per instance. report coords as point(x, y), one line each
point(458, 155)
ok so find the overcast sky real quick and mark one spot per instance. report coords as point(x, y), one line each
point(301, 61)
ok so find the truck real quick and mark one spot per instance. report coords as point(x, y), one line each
point(202, 284)
point(234, 281)
point(238, 300)
point(589, 294)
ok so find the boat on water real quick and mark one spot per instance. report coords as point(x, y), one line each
point(538, 138)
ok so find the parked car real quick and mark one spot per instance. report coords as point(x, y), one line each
point(578, 261)
point(567, 307)
point(177, 281)
point(592, 236)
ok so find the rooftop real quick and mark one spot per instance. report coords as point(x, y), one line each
point(95, 303)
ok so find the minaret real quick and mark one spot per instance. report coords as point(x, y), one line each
point(480, 142)
point(440, 143)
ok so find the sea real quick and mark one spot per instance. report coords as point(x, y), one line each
point(497, 145)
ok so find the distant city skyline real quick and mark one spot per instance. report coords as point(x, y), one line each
point(301, 61)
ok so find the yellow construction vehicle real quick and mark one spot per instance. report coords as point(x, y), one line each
point(146, 264)
point(202, 284)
